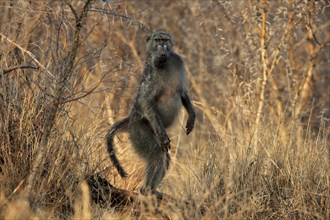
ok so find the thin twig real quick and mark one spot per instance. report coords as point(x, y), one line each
point(125, 17)
point(27, 52)
point(74, 12)
point(67, 100)
point(22, 66)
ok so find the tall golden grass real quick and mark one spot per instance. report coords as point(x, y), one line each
point(259, 79)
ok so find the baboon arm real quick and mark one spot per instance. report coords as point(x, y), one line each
point(191, 112)
point(156, 123)
point(149, 111)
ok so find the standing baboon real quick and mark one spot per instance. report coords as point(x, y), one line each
point(161, 94)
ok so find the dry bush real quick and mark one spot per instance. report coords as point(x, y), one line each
point(258, 77)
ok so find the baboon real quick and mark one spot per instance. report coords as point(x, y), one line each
point(162, 92)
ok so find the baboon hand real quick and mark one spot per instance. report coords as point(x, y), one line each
point(165, 142)
point(190, 124)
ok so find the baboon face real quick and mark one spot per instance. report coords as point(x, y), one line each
point(159, 46)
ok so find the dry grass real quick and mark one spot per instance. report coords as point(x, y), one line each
point(259, 80)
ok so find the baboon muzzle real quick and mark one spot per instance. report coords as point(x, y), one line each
point(162, 53)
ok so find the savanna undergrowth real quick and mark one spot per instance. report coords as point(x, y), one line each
point(258, 73)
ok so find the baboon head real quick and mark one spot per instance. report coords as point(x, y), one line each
point(159, 47)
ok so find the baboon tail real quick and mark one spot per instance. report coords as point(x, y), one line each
point(118, 126)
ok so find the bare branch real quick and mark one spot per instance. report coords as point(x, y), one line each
point(84, 95)
point(28, 53)
point(22, 66)
point(124, 17)
point(74, 12)
point(54, 106)
point(264, 60)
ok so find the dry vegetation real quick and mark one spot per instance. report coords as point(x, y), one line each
point(259, 80)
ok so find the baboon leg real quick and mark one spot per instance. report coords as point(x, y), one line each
point(156, 168)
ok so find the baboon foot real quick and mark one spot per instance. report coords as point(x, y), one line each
point(145, 192)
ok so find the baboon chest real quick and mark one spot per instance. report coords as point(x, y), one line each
point(169, 98)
